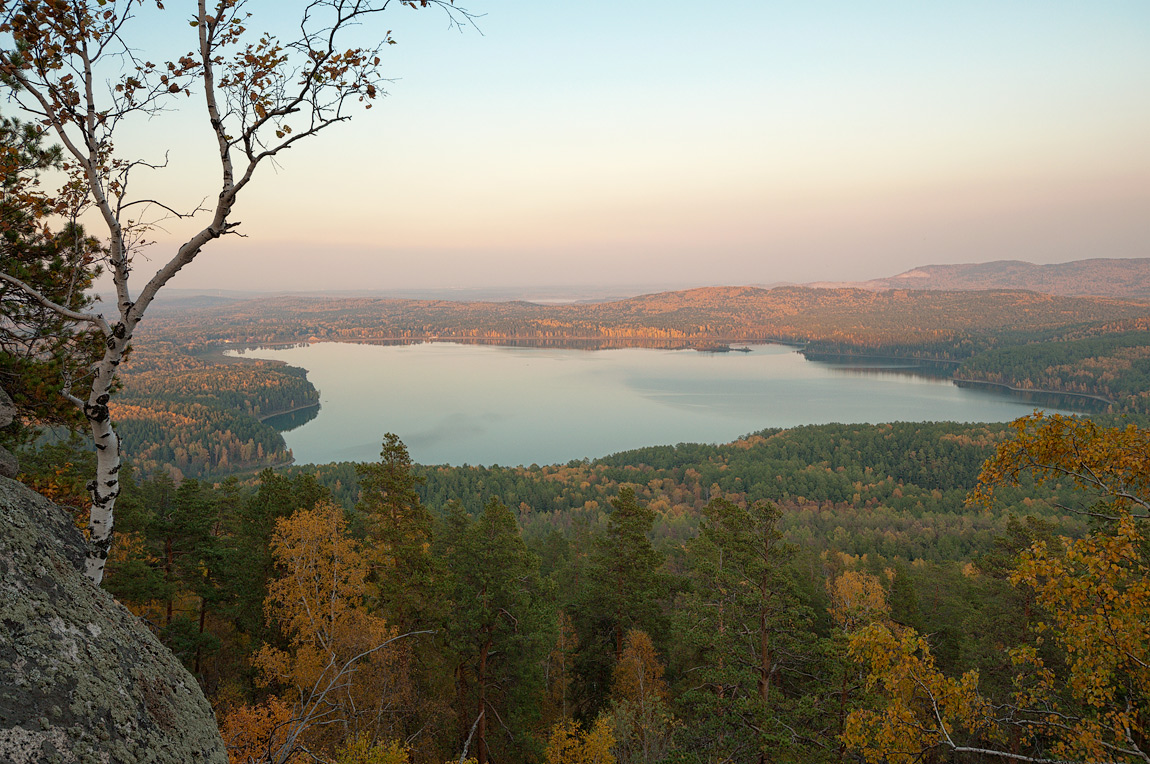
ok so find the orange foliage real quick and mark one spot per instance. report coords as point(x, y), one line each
point(253, 732)
point(343, 664)
point(857, 599)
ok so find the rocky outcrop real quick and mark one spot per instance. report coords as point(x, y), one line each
point(81, 679)
point(8, 464)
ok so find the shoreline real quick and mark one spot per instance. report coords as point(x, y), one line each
point(265, 417)
point(1040, 391)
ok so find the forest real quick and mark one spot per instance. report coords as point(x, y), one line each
point(200, 417)
point(888, 593)
point(798, 595)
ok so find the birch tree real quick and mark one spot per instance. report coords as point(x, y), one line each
point(74, 68)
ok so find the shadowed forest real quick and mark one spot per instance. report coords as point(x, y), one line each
point(803, 592)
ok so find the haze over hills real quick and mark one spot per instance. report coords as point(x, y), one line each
point(1127, 278)
point(1120, 278)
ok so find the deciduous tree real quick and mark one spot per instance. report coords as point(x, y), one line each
point(1092, 597)
point(640, 716)
point(341, 672)
point(73, 67)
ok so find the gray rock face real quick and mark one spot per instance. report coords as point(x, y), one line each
point(9, 467)
point(81, 679)
point(8, 464)
point(7, 409)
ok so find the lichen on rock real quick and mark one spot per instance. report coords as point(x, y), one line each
point(81, 679)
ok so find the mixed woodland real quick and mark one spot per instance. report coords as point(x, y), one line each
point(896, 592)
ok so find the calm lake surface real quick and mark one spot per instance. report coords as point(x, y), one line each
point(480, 404)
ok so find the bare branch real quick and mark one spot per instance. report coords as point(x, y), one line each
point(72, 315)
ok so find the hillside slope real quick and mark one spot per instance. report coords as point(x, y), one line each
point(1127, 278)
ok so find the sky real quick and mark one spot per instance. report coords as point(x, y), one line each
point(674, 144)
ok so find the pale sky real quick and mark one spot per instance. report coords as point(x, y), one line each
point(680, 143)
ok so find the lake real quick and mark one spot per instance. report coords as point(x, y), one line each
point(482, 404)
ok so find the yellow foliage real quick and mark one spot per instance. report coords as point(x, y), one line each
point(639, 674)
point(568, 744)
point(857, 599)
point(639, 719)
point(1111, 462)
point(922, 707)
point(362, 751)
point(1095, 594)
point(339, 665)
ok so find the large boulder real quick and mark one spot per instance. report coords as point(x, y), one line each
point(82, 679)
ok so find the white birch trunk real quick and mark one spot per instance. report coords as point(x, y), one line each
point(105, 488)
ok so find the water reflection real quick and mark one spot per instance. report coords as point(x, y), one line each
point(480, 404)
point(291, 420)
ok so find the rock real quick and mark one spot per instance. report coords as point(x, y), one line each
point(81, 678)
point(7, 409)
point(9, 467)
point(8, 464)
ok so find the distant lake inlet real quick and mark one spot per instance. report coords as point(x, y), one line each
point(482, 404)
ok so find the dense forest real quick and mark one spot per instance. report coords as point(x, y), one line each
point(760, 601)
point(854, 316)
point(891, 489)
point(889, 593)
point(204, 418)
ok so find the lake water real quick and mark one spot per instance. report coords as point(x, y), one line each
point(480, 404)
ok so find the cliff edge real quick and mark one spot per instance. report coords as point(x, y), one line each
point(81, 679)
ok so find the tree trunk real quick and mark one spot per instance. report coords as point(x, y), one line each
point(169, 574)
point(106, 487)
point(200, 641)
point(764, 659)
point(481, 733)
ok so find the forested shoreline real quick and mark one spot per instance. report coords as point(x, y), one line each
point(187, 406)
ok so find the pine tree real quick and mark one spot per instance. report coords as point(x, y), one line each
point(499, 628)
point(624, 589)
point(399, 528)
point(744, 624)
point(277, 498)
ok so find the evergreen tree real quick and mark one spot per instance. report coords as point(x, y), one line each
point(41, 354)
point(276, 498)
point(624, 588)
point(744, 624)
point(399, 528)
point(499, 629)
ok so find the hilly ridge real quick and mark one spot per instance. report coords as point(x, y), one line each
point(1127, 278)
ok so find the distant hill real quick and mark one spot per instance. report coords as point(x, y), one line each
point(935, 322)
point(1127, 278)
